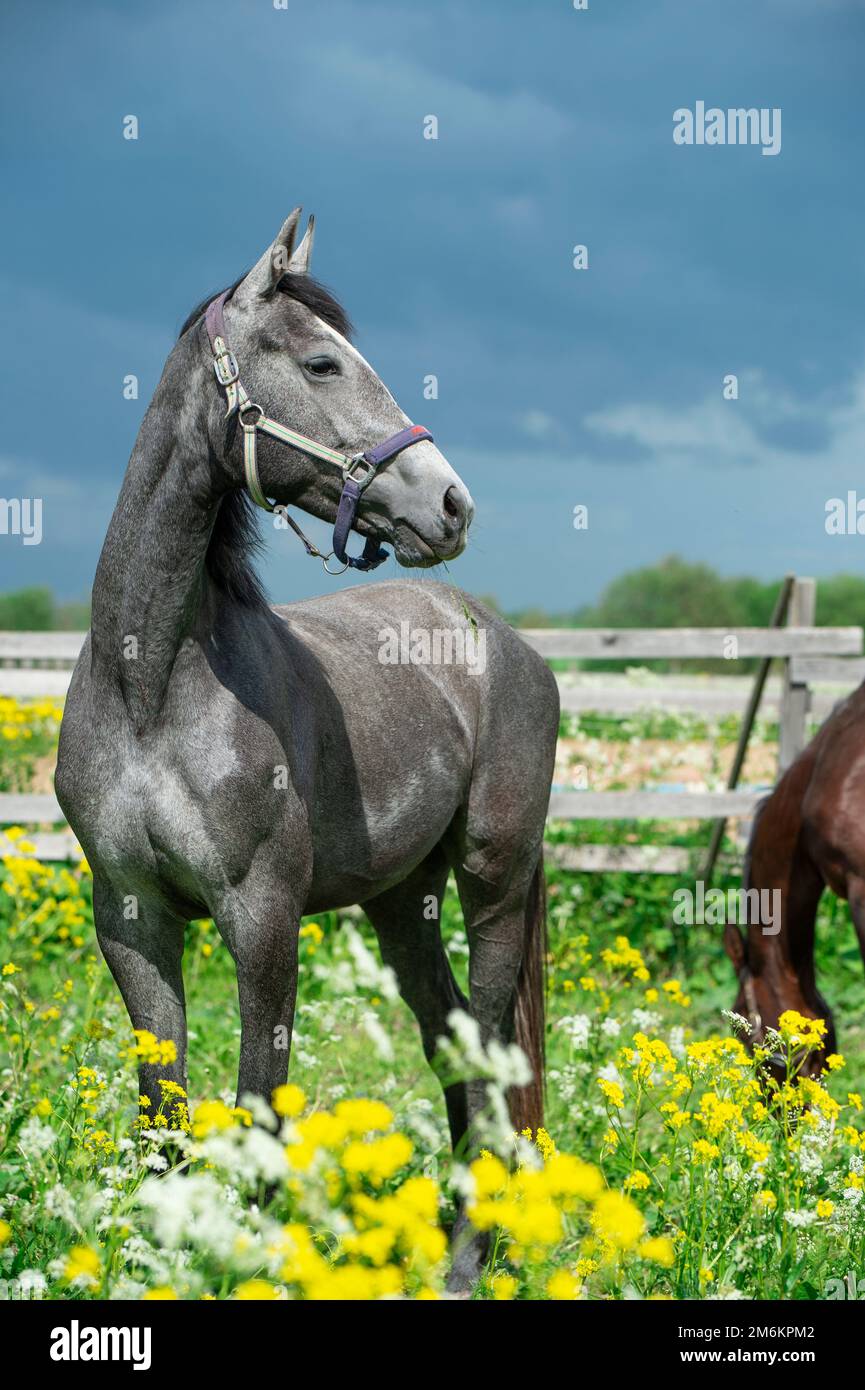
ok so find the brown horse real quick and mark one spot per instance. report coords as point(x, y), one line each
point(809, 834)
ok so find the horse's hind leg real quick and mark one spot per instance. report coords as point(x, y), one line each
point(406, 921)
point(505, 911)
point(144, 955)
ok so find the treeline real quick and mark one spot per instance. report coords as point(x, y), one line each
point(675, 593)
point(672, 593)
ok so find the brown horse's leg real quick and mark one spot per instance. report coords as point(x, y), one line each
point(779, 962)
point(407, 922)
point(856, 899)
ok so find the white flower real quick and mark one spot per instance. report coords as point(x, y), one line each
point(377, 1036)
point(58, 1203)
point(800, 1219)
point(610, 1072)
point(368, 971)
point(35, 1139)
point(645, 1020)
point(190, 1209)
point(611, 1028)
point(578, 1028)
point(157, 1161)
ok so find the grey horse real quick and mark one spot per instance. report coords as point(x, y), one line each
point(220, 757)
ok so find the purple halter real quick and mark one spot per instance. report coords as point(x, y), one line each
point(253, 419)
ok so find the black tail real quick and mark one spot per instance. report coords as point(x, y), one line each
point(527, 1102)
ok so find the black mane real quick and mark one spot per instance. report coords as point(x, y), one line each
point(236, 538)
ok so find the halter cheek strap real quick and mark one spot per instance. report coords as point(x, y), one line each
point(358, 469)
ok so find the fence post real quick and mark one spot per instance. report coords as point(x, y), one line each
point(795, 695)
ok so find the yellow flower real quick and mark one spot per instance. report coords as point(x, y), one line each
point(490, 1176)
point(255, 1290)
point(504, 1286)
point(637, 1182)
point(563, 1287)
point(83, 1263)
point(148, 1048)
point(288, 1101)
point(362, 1117)
point(799, 1031)
point(5, 1232)
point(660, 1249)
point(10, 969)
point(545, 1143)
point(212, 1116)
point(766, 1199)
point(567, 1176)
point(612, 1091)
point(706, 1276)
point(377, 1159)
point(755, 1148)
point(825, 1207)
point(161, 1294)
point(617, 1220)
point(704, 1152)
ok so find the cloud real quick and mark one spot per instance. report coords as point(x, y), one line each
point(718, 433)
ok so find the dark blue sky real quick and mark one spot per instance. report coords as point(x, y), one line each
point(453, 257)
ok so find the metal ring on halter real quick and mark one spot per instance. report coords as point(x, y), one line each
point(250, 405)
point(332, 573)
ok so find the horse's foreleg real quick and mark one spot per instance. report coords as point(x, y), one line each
point(143, 946)
point(260, 928)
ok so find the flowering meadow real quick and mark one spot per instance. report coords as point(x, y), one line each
point(671, 1165)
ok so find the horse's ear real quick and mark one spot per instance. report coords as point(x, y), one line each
point(302, 255)
point(734, 945)
point(266, 274)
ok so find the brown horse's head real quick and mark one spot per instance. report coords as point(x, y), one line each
point(768, 987)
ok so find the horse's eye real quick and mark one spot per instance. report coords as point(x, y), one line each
point(322, 366)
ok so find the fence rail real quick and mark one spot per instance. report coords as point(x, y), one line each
point(39, 664)
point(686, 643)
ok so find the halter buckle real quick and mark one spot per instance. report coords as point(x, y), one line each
point(222, 354)
point(365, 478)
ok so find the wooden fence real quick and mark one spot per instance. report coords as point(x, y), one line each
point(36, 664)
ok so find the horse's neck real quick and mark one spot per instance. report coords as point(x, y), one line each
point(151, 592)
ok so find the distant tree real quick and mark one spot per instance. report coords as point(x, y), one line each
point(673, 593)
point(27, 610)
point(752, 600)
point(841, 601)
point(72, 617)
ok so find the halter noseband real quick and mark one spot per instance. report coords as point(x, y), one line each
point(252, 419)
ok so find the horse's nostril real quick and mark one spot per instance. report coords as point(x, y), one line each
point(454, 505)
